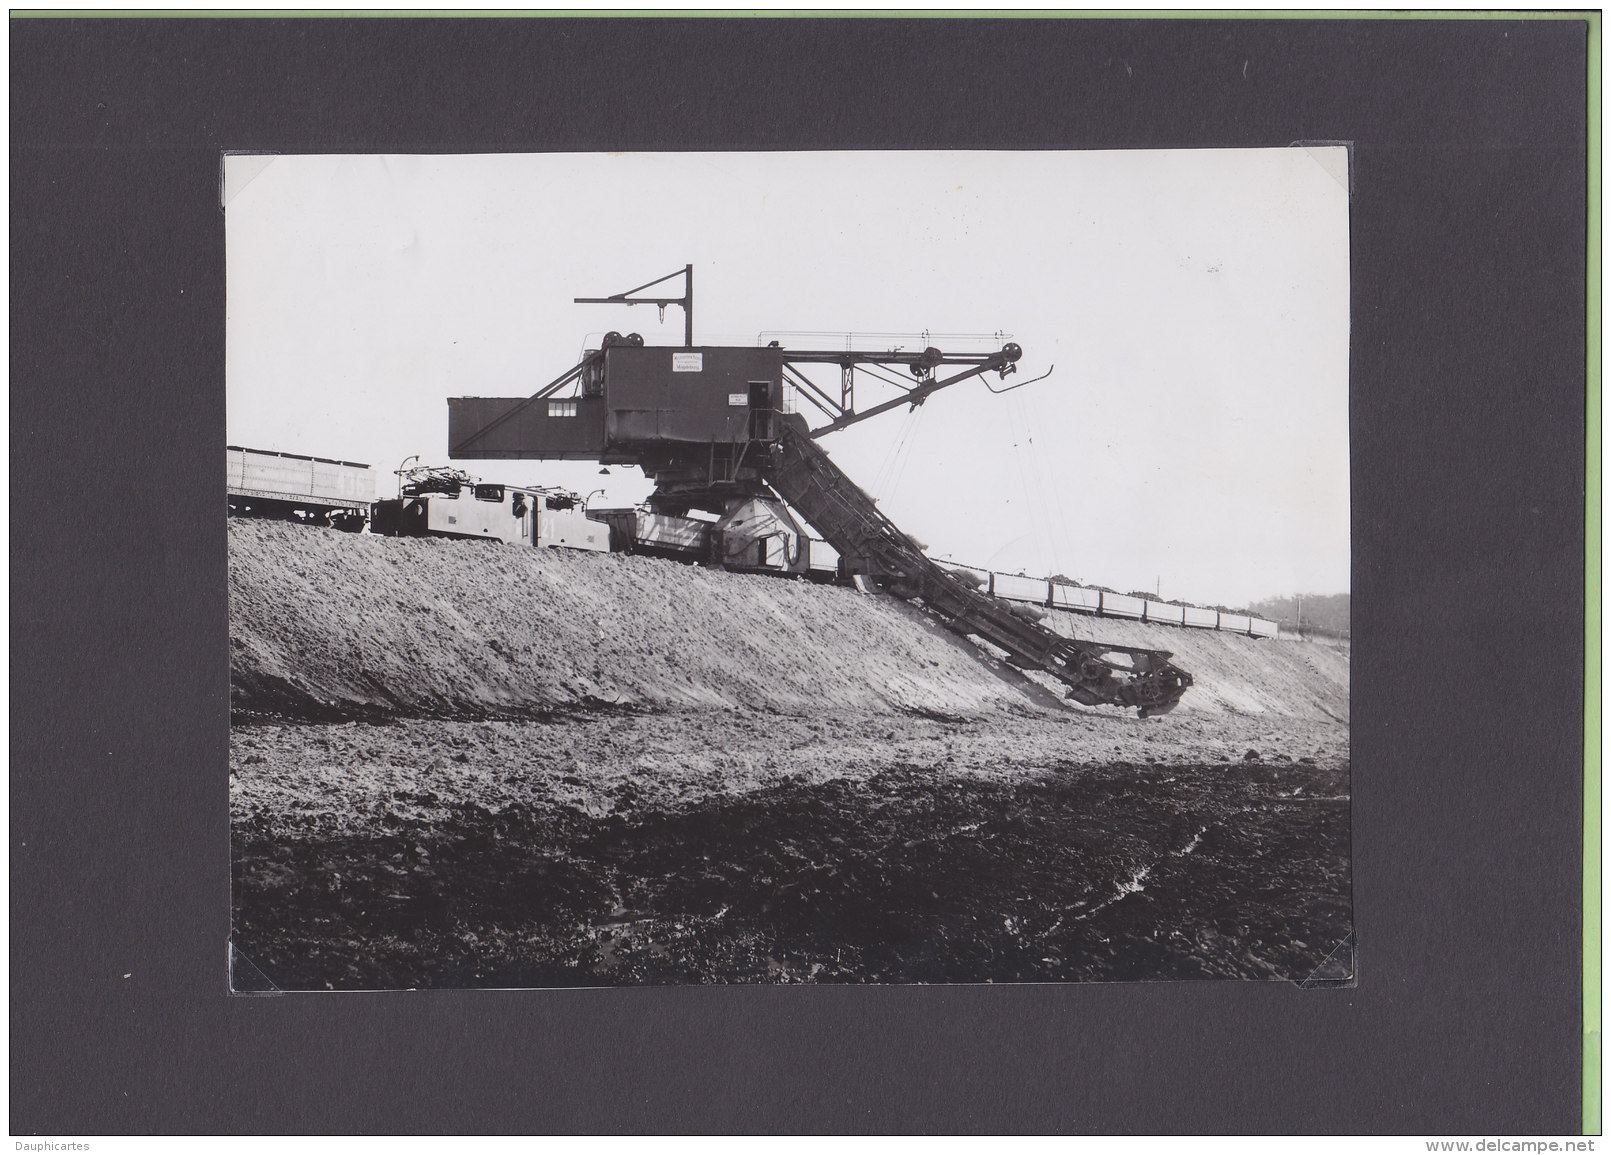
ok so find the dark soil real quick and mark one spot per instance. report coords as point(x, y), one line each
point(1080, 872)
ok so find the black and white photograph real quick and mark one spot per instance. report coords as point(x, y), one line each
point(791, 573)
point(801, 567)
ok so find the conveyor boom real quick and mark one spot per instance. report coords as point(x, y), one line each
point(804, 476)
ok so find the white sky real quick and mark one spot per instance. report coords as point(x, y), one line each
point(1193, 438)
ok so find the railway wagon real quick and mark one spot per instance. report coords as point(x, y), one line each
point(1236, 623)
point(1076, 598)
point(1060, 595)
point(1123, 606)
point(292, 486)
point(758, 542)
point(1015, 588)
point(1200, 619)
point(1166, 613)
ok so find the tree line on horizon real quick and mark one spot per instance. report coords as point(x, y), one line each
point(1321, 613)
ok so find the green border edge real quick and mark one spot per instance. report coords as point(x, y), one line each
point(1593, 1044)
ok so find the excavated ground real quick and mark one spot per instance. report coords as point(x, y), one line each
point(457, 764)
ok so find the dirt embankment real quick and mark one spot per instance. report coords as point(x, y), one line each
point(328, 624)
point(1233, 673)
point(332, 625)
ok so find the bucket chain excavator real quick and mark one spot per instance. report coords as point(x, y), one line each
point(708, 425)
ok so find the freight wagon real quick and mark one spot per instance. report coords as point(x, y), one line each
point(1082, 601)
point(1063, 596)
point(290, 486)
point(1123, 606)
point(1166, 613)
point(1201, 619)
point(758, 537)
point(1014, 588)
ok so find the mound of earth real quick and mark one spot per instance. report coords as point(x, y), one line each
point(325, 624)
point(1233, 673)
point(330, 625)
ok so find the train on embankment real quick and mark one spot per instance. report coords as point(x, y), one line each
point(760, 537)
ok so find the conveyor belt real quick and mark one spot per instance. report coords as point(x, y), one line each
point(804, 476)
